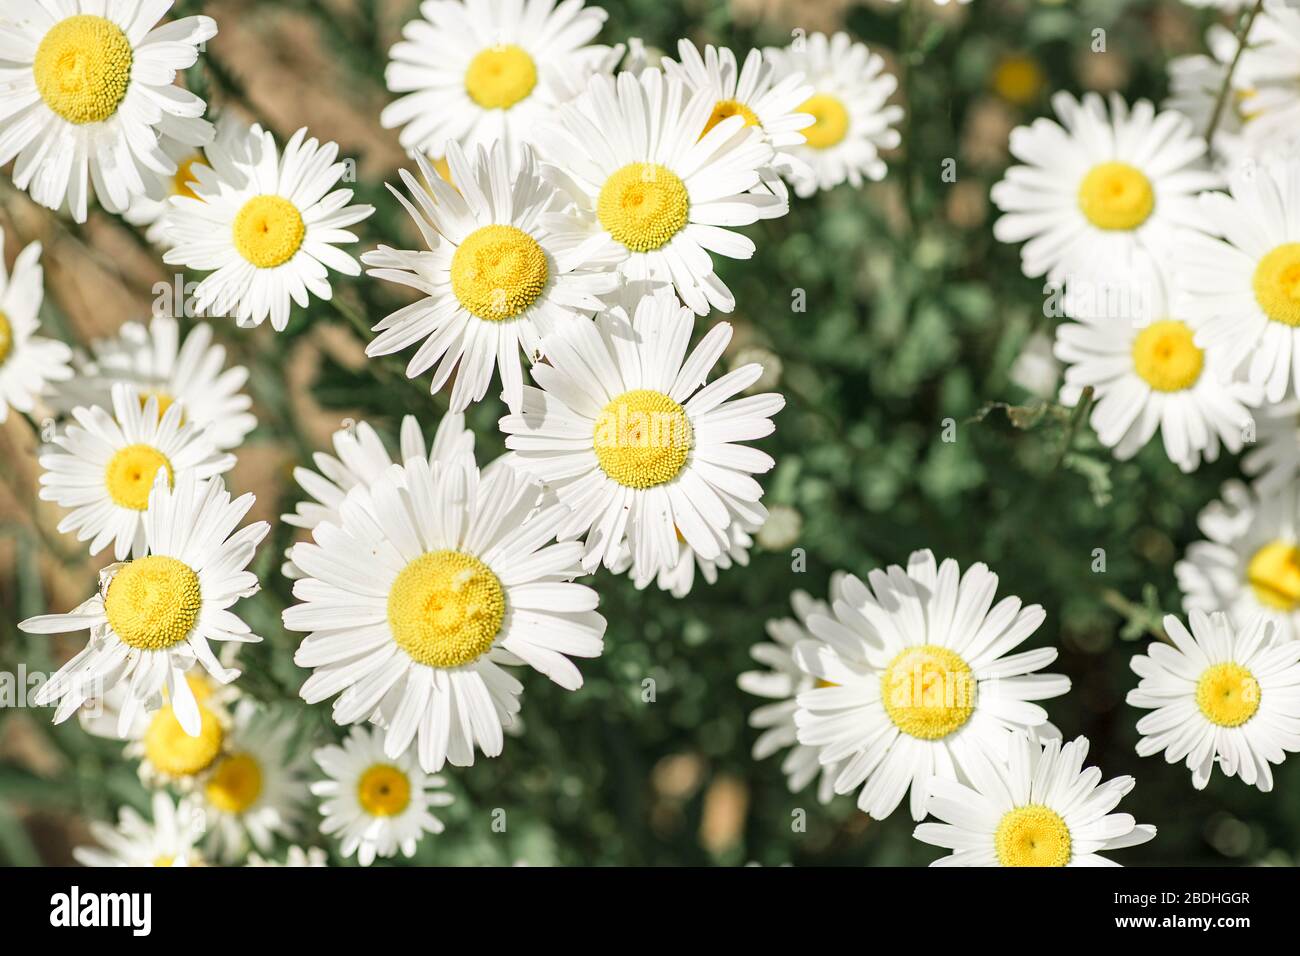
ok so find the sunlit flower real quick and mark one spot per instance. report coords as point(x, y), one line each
point(28, 362)
point(169, 839)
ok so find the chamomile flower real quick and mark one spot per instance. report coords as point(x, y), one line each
point(1194, 84)
point(917, 679)
point(645, 168)
point(1274, 462)
point(678, 577)
point(268, 237)
point(89, 90)
point(1221, 695)
point(1271, 78)
point(430, 581)
point(104, 467)
point(1039, 808)
point(27, 362)
point(169, 839)
point(375, 804)
point(622, 432)
point(1103, 191)
point(153, 617)
point(496, 276)
point(478, 73)
point(168, 753)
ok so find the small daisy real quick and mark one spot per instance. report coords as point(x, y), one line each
point(1274, 462)
point(1222, 695)
point(625, 436)
point(1041, 808)
point(268, 237)
point(295, 857)
point(496, 276)
point(376, 804)
point(167, 840)
point(431, 580)
point(27, 362)
point(89, 91)
point(1194, 85)
point(153, 617)
point(916, 682)
point(478, 73)
point(104, 467)
point(1102, 188)
point(851, 121)
point(168, 753)
point(643, 166)
point(1270, 74)
point(678, 577)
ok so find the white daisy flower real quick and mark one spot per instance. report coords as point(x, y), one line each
point(917, 680)
point(168, 753)
point(167, 840)
point(497, 276)
point(153, 617)
point(430, 582)
point(1040, 808)
point(642, 166)
point(851, 121)
point(1270, 76)
point(1274, 462)
point(374, 803)
point(1221, 694)
point(296, 856)
point(1194, 84)
point(476, 73)
point(622, 432)
point(89, 90)
point(27, 362)
point(268, 237)
point(104, 467)
point(1102, 189)
point(677, 578)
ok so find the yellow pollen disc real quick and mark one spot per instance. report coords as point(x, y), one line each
point(498, 272)
point(153, 603)
point(500, 76)
point(383, 791)
point(1018, 79)
point(83, 68)
point(643, 205)
point(928, 691)
point(1032, 836)
point(236, 784)
point(830, 120)
point(725, 109)
point(164, 861)
point(445, 609)
point(1116, 196)
point(1274, 575)
point(268, 231)
point(642, 438)
point(185, 178)
point(1227, 694)
point(130, 474)
point(1166, 358)
point(6, 338)
point(174, 752)
point(1277, 284)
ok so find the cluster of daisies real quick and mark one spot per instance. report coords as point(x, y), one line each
point(572, 199)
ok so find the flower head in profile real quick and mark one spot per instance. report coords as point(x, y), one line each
point(28, 362)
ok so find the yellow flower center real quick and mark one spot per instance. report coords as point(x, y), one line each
point(642, 438)
point(130, 474)
point(928, 691)
point(185, 178)
point(1166, 358)
point(153, 603)
point(83, 68)
point(643, 205)
point(1274, 575)
point(725, 109)
point(174, 752)
point(500, 76)
point(1018, 79)
point(445, 609)
point(164, 861)
point(383, 791)
point(1227, 694)
point(830, 120)
point(6, 338)
point(165, 401)
point(1033, 835)
point(1277, 284)
point(1116, 196)
point(268, 231)
point(498, 272)
point(236, 784)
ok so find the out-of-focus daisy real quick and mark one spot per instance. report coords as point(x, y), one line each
point(432, 579)
point(1194, 84)
point(851, 121)
point(295, 857)
point(642, 164)
point(27, 362)
point(1274, 462)
point(268, 237)
point(1271, 74)
point(1222, 694)
point(496, 276)
point(477, 73)
point(169, 839)
point(375, 804)
point(167, 752)
point(1100, 189)
point(89, 90)
point(1040, 808)
point(103, 467)
point(917, 678)
point(622, 431)
point(153, 617)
